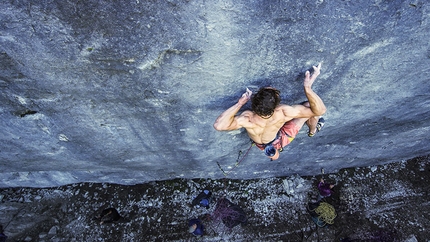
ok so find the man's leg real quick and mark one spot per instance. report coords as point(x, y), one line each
point(298, 122)
point(311, 122)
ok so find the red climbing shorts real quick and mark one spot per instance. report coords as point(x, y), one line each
point(284, 137)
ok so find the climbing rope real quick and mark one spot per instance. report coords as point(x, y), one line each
point(326, 212)
point(238, 161)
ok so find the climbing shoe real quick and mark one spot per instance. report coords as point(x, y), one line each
point(320, 125)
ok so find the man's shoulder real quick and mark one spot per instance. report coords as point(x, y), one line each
point(246, 118)
point(284, 108)
point(247, 113)
point(287, 111)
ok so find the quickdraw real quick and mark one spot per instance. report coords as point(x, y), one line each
point(238, 160)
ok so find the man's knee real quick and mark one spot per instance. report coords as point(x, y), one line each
point(306, 104)
point(320, 112)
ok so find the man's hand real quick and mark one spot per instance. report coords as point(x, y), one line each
point(245, 97)
point(309, 79)
point(227, 120)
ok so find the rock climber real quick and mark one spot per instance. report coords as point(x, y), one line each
point(325, 189)
point(271, 125)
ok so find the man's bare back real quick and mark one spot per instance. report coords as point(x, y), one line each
point(264, 129)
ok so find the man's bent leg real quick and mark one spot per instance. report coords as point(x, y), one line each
point(288, 133)
point(300, 122)
point(312, 124)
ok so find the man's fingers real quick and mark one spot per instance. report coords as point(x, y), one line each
point(248, 91)
point(318, 67)
point(317, 70)
point(245, 97)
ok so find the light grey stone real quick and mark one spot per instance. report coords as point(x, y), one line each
point(53, 230)
point(127, 92)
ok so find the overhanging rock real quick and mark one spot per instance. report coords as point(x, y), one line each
point(127, 92)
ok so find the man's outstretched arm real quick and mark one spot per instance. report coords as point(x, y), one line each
point(316, 104)
point(227, 120)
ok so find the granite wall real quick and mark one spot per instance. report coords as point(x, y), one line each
point(127, 91)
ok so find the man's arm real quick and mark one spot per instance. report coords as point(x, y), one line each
point(316, 104)
point(228, 119)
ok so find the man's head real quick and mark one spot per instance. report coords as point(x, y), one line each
point(265, 101)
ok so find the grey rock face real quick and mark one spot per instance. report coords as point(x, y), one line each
point(128, 92)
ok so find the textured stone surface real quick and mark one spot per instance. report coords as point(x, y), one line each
point(127, 92)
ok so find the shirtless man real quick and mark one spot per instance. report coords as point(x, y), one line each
point(272, 125)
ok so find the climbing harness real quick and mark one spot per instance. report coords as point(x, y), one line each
point(238, 160)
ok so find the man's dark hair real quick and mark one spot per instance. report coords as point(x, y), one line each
point(265, 101)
